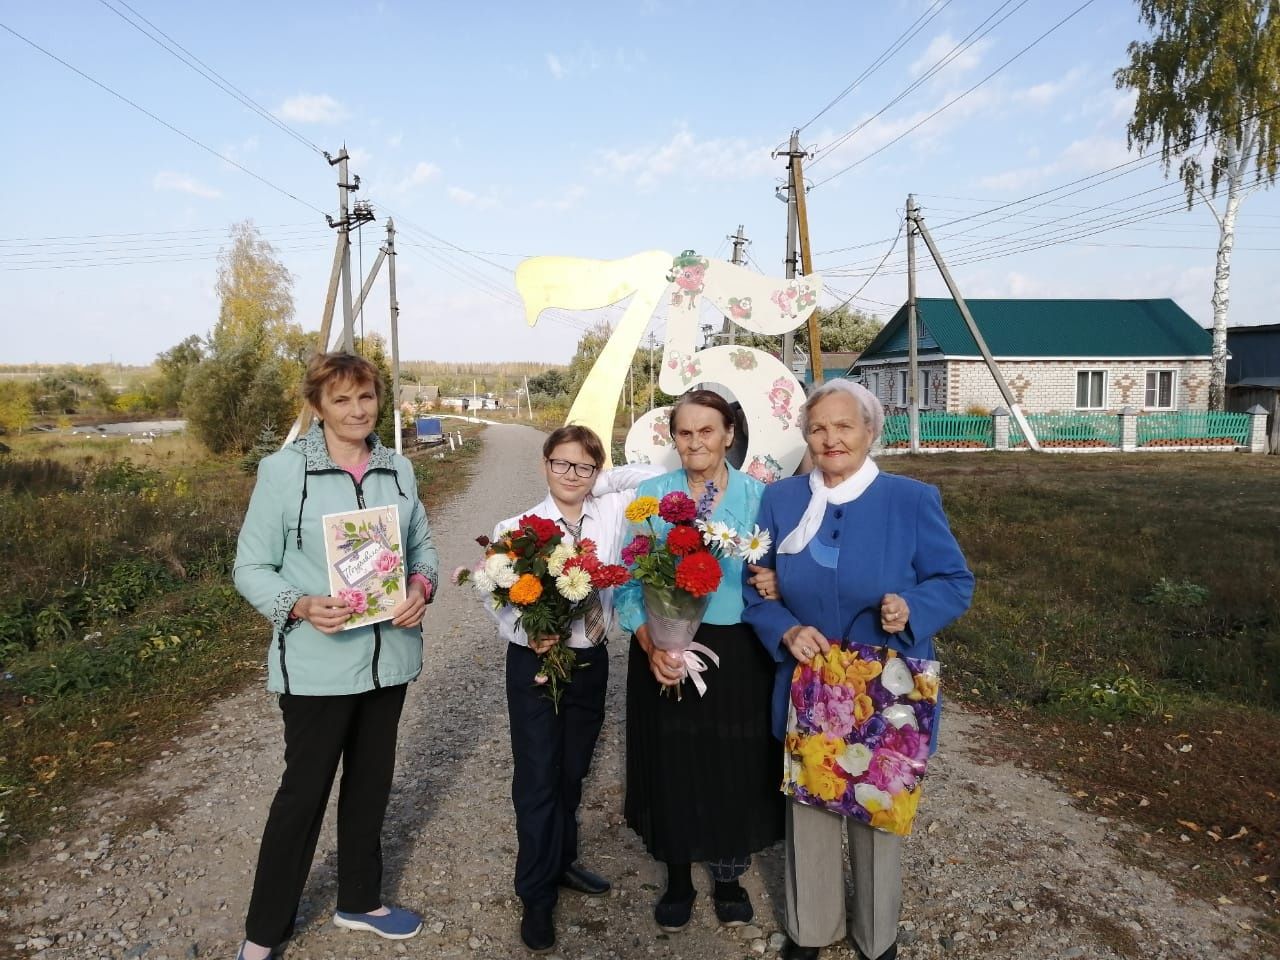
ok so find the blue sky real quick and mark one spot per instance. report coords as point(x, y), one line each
point(589, 129)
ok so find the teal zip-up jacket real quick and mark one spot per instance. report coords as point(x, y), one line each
point(280, 557)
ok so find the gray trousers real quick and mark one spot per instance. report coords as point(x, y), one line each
point(815, 881)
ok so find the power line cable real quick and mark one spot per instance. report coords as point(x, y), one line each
point(188, 58)
point(903, 39)
point(164, 123)
point(954, 100)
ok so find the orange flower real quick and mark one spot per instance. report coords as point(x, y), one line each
point(863, 708)
point(526, 590)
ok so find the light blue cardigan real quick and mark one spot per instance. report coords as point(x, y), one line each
point(738, 508)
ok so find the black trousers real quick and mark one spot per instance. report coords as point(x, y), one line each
point(359, 730)
point(552, 754)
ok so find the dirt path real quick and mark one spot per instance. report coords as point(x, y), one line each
point(1002, 865)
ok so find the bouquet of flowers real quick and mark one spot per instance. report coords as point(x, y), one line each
point(550, 584)
point(858, 732)
point(680, 570)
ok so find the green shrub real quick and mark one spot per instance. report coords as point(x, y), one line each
point(1181, 593)
point(1112, 697)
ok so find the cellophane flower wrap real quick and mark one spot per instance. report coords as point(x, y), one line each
point(858, 732)
point(679, 569)
point(548, 581)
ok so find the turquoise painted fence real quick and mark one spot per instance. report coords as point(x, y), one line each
point(1193, 427)
point(941, 429)
point(1069, 429)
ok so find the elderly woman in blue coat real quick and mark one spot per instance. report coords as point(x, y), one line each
point(341, 691)
point(853, 549)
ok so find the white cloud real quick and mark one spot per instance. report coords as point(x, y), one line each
point(940, 47)
point(1042, 94)
point(1087, 155)
point(423, 172)
point(395, 140)
point(465, 198)
point(567, 200)
point(359, 157)
point(555, 66)
point(182, 183)
point(312, 108)
point(587, 59)
point(239, 151)
point(717, 158)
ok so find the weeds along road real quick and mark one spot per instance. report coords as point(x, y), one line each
point(1001, 866)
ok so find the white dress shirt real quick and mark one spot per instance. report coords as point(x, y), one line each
point(603, 521)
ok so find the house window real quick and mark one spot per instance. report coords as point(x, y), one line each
point(901, 398)
point(875, 384)
point(1091, 389)
point(1160, 389)
point(924, 388)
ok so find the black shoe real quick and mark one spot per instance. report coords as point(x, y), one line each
point(734, 908)
point(537, 929)
point(673, 916)
point(793, 951)
point(890, 954)
point(584, 881)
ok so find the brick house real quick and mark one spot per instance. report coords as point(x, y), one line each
point(1057, 356)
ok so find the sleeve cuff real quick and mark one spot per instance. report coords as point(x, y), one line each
point(283, 606)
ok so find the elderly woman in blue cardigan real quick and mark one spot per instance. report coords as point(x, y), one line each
point(853, 550)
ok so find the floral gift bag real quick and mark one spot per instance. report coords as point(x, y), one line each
point(858, 731)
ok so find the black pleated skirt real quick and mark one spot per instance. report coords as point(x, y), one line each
point(704, 772)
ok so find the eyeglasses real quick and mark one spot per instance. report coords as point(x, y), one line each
point(561, 467)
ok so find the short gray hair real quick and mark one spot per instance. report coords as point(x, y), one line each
point(872, 409)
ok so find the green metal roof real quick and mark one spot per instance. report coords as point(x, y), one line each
point(1091, 329)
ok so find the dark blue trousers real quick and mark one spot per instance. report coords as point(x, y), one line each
point(551, 755)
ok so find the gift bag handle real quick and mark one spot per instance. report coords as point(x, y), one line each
point(847, 637)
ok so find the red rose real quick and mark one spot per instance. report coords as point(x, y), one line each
point(698, 573)
point(541, 529)
point(682, 540)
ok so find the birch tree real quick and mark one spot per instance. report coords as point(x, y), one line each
point(1208, 86)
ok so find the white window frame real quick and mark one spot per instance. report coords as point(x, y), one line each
point(1106, 383)
point(900, 391)
point(924, 388)
point(1173, 389)
point(875, 383)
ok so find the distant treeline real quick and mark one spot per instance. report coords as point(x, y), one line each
point(459, 378)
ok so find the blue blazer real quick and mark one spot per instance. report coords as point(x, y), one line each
point(892, 539)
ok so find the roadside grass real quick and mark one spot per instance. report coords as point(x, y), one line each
point(1126, 630)
point(118, 620)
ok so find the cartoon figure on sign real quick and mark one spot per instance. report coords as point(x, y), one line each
point(688, 271)
point(740, 308)
point(785, 299)
point(807, 298)
point(744, 359)
point(780, 401)
point(688, 368)
point(764, 468)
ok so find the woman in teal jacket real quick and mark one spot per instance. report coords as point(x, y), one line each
point(341, 691)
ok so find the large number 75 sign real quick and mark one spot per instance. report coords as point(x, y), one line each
point(769, 393)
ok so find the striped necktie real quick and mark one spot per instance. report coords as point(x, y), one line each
point(593, 616)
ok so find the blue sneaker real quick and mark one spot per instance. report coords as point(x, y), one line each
point(397, 925)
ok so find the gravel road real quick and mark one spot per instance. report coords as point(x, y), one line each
point(1001, 866)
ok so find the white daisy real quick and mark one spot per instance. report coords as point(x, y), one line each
point(560, 555)
point(721, 535)
point(502, 570)
point(754, 545)
point(574, 585)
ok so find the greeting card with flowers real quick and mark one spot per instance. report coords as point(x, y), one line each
point(858, 732)
point(550, 583)
point(366, 567)
point(680, 569)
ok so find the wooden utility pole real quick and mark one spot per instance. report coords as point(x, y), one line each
point(789, 338)
point(389, 252)
point(913, 365)
point(1014, 409)
point(806, 253)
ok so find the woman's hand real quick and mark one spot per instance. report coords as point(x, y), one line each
point(765, 580)
point(408, 612)
point(894, 613)
point(667, 668)
point(804, 643)
point(541, 645)
point(326, 614)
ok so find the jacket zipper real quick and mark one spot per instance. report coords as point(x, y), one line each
point(377, 632)
point(284, 671)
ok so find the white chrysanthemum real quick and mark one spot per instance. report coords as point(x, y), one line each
point(754, 545)
point(574, 585)
point(502, 570)
point(721, 535)
point(481, 580)
point(560, 555)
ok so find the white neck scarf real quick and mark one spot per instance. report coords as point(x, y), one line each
point(820, 495)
